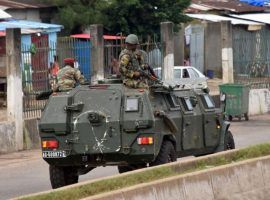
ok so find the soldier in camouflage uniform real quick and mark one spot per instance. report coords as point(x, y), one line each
point(68, 76)
point(132, 63)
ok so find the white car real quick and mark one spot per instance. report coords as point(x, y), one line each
point(180, 72)
point(186, 73)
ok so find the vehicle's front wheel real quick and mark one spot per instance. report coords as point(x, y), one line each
point(62, 176)
point(229, 141)
point(166, 154)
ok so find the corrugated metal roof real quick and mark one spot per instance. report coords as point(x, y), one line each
point(258, 17)
point(22, 4)
point(23, 31)
point(218, 18)
point(200, 7)
point(106, 37)
point(25, 24)
point(4, 15)
point(229, 5)
point(257, 2)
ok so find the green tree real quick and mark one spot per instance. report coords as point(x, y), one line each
point(75, 15)
point(143, 17)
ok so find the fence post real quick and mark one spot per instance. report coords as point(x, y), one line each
point(97, 53)
point(14, 83)
point(179, 46)
point(167, 41)
point(227, 51)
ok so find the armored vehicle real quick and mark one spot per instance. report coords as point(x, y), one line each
point(110, 124)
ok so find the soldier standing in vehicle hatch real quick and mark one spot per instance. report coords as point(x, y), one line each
point(68, 76)
point(132, 63)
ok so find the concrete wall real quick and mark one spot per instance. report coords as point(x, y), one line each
point(31, 139)
point(179, 45)
point(25, 14)
point(212, 60)
point(244, 180)
point(7, 137)
point(31, 134)
point(259, 101)
point(3, 62)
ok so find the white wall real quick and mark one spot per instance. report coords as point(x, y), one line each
point(259, 101)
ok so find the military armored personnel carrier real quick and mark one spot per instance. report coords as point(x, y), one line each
point(109, 124)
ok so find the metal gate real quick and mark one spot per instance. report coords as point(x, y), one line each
point(251, 56)
point(197, 47)
point(37, 60)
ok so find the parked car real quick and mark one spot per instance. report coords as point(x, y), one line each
point(182, 72)
point(187, 73)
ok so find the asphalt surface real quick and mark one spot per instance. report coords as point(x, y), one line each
point(25, 172)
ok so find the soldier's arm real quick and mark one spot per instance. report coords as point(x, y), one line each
point(79, 77)
point(124, 67)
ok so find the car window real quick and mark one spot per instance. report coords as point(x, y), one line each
point(193, 73)
point(185, 73)
point(177, 73)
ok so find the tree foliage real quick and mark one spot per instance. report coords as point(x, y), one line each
point(143, 17)
point(126, 16)
point(77, 14)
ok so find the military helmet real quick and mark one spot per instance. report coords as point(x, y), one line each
point(132, 39)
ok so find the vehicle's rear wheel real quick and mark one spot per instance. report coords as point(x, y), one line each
point(246, 116)
point(229, 141)
point(62, 176)
point(166, 154)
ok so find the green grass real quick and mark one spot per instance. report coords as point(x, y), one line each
point(150, 175)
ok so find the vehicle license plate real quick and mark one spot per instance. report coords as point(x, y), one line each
point(54, 154)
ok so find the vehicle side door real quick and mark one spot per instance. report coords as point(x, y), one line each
point(211, 124)
point(175, 115)
point(192, 134)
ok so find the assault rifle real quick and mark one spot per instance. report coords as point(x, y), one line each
point(44, 95)
point(150, 74)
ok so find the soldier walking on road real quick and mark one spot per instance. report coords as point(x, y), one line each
point(132, 63)
point(68, 76)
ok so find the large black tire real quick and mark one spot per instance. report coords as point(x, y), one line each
point(229, 141)
point(62, 176)
point(166, 154)
point(246, 117)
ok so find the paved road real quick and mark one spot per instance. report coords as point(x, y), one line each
point(25, 172)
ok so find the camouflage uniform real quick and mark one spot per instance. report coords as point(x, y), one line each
point(131, 62)
point(67, 78)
